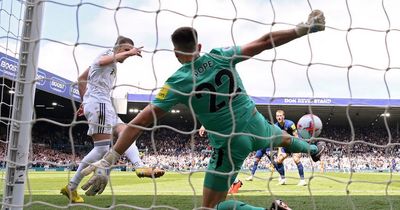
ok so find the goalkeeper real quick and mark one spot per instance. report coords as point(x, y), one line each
point(221, 104)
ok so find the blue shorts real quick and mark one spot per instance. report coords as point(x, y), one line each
point(260, 153)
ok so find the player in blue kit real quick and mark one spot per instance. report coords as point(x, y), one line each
point(289, 127)
point(259, 154)
point(210, 85)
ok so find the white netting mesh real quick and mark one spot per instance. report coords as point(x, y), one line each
point(356, 57)
point(11, 13)
point(10, 26)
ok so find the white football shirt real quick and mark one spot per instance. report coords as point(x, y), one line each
point(100, 81)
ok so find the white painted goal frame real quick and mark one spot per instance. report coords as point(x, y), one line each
point(21, 123)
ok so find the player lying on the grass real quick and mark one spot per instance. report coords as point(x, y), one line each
point(221, 104)
point(95, 87)
point(290, 127)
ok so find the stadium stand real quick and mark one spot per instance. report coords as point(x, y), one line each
point(52, 148)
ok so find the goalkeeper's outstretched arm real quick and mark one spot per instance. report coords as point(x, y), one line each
point(315, 23)
point(147, 116)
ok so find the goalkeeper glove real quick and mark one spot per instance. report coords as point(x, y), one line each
point(315, 22)
point(101, 170)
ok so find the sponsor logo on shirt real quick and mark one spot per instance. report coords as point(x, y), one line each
point(163, 92)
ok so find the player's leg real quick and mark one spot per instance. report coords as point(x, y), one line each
point(101, 147)
point(100, 117)
point(235, 204)
point(282, 155)
point(70, 191)
point(294, 144)
point(214, 185)
point(271, 155)
point(257, 159)
point(253, 169)
point(296, 159)
point(132, 153)
point(236, 185)
point(228, 159)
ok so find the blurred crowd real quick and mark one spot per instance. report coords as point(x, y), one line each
point(363, 150)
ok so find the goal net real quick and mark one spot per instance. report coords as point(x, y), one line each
point(347, 75)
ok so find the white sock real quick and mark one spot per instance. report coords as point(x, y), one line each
point(99, 150)
point(132, 153)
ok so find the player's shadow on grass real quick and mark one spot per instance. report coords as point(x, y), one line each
point(189, 202)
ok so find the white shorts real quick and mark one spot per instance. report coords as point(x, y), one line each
point(101, 118)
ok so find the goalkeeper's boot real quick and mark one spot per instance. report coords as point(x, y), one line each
point(279, 205)
point(321, 149)
point(72, 195)
point(149, 172)
point(235, 187)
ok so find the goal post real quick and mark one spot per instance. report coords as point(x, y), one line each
point(22, 111)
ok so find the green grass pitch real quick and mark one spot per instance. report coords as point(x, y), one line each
point(183, 191)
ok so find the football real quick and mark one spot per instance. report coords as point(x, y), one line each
point(308, 126)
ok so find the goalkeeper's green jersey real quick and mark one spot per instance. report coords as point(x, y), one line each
point(210, 85)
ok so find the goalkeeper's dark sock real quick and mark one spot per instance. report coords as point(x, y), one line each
point(299, 145)
point(235, 204)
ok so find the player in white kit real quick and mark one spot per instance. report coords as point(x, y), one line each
point(95, 87)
